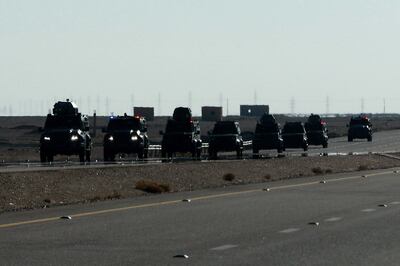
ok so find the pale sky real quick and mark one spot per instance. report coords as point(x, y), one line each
point(133, 51)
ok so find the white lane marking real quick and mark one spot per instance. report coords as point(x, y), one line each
point(333, 219)
point(394, 203)
point(368, 210)
point(289, 230)
point(224, 247)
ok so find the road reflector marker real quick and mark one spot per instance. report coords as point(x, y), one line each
point(186, 200)
point(382, 205)
point(181, 256)
point(314, 223)
point(66, 217)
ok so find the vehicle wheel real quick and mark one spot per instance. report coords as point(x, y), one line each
point(43, 157)
point(82, 156)
point(349, 138)
point(146, 153)
point(140, 154)
point(163, 153)
point(305, 147)
point(198, 154)
point(169, 154)
point(239, 154)
point(369, 138)
point(88, 153)
point(325, 145)
point(50, 158)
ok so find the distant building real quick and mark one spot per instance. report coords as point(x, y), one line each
point(254, 110)
point(146, 112)
point(211, 113)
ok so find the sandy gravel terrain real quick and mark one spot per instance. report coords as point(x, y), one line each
point(38, 189)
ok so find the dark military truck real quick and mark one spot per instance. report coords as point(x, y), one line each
point(225, 136)
point(317, 132)
point(125, 135)
point(360, 127)
point(182, 134)
point(65, 132)
point(294, 135)
point(267, 135)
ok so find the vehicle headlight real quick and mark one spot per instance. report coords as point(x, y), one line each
point(47, 138)
point(138, 132)
point(74, 138)
point(134, 138)
point(111, 138)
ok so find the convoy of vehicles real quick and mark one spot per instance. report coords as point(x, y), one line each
point(360, 127)
point(66, 132)
point(317, 132)
point(182, 135)
point(125, 135)
point(225, 136)
point(267, 135)
point(294, 136)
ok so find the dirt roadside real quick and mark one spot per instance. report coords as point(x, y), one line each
point(39, 189)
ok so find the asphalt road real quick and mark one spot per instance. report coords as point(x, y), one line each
point(356, 221)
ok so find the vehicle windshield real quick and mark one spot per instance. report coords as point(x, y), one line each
point(123, 124)
point(360, 122)
point(267, 128)
point(293, 128)
point(225, 128)
point(173, 126)
point(63, 122)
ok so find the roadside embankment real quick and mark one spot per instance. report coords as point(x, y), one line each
point(39, 189)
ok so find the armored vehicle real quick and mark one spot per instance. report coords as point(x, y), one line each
point(182, 134)
point(360, 127)
point(267, 135)
point(294, 136)
point(225, 136)
point(317, 132)
point(125, 134)
point(65, 132)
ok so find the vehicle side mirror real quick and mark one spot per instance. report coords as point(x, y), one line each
point(161, 132)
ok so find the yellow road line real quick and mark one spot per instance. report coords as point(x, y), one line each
point(162, 203)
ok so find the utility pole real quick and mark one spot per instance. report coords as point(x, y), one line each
point(159, 104)
point(384, 105)
point(292, 105)
point(190, 99)
point(227, 106)
point(362, 105)
point(107, 106)
point(327, 105)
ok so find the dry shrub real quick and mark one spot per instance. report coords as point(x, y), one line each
point(228, 177)
point(152, 186)
point(317, 170)
point(362, 167)
point(328, 171)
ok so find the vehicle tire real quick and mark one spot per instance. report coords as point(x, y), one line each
point(146, 153)
point(50, 158)
point(43, 157)
point(369, 138)
point(163, 153)
point(325, 145)
point(239, 154)
point(82, 156)
point(349, 138)
point(305, 147)
point(140, 154)
point(88, 153)
point(198, 154)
